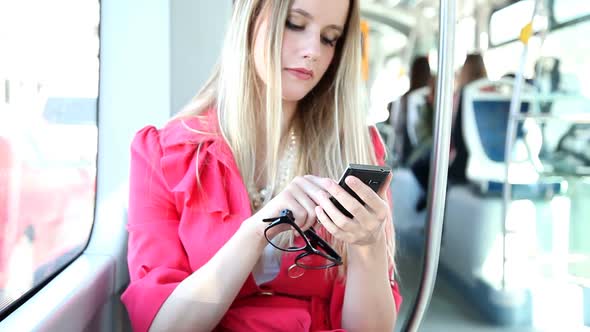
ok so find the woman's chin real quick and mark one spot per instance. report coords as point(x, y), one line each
point(294, 96)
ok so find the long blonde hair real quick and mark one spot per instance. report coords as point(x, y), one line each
point(331, 120)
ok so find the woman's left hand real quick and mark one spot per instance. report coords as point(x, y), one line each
point(366, 225)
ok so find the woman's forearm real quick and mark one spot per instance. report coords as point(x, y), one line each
point(199, 302)
point(368, 302)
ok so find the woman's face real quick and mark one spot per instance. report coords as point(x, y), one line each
point(312, 31)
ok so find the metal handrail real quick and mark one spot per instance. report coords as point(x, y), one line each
point(439, 163)
point(515, 105)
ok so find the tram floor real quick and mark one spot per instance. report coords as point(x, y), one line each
point(447, 310)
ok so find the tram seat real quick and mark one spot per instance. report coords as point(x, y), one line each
point(405, 192)
point(471, 256)
point(486, 107)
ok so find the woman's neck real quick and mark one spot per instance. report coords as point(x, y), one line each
point(289, 109)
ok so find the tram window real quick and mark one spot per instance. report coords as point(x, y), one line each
point(464, 40)
point(568, 10)
point(49, 71)
point(506, 23)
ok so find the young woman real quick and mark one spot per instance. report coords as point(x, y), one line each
point(279, 120)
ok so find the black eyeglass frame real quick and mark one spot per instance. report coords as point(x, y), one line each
point(311, 238)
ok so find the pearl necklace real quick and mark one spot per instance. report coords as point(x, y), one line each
point(285, 174)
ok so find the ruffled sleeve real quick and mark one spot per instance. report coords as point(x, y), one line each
point(191, 147)
point(157, 260)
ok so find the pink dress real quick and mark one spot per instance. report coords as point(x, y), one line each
point(174, 230)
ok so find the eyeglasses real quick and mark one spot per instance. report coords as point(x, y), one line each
point(317, 255)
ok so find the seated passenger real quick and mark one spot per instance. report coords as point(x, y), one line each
point(262, 136)
point(472, 70)
point(419, 158)
point(398, 110)
point(424, 126)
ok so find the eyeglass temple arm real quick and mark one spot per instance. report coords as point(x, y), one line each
point(314, 237)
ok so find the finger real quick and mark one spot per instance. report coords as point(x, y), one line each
point(311, 188)
point(303, 199)
point(374, 202)
point(330, 226)
point(347, 201)
point(365, 193)
point(336, 215)
point(299, 212)
point(321, 197)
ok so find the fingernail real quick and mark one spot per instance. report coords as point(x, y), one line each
point(349, 179)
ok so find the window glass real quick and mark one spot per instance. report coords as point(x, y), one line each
point(49, 71)
point(464, 40)
point(567, 10)
point(506, 23)
point(385, 45)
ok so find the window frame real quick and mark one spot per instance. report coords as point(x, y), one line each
point(553, 25)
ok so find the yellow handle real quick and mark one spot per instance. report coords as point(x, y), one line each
point(526, 33)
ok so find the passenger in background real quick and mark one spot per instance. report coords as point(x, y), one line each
point(398, 110)
point(424, 126)
point(472, 70)
point(419, 159)
point(262, 136)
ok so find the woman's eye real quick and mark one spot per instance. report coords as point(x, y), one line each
point(292, 26)
point(329, 42)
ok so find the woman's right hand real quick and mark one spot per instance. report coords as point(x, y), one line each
point(294, 197)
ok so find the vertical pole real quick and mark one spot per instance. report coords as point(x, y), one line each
point(439, 162)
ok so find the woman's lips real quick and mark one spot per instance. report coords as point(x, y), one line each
point(301, 73)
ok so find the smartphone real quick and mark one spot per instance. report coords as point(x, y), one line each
point(372, 176)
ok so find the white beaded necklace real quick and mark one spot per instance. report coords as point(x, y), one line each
point(285, 173)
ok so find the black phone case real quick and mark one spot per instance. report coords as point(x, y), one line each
point(372, 176)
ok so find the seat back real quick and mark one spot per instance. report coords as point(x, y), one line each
point(486, 108)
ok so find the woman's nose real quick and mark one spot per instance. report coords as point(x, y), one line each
point(312, 48)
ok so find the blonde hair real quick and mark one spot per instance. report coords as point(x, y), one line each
point(331, 119)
